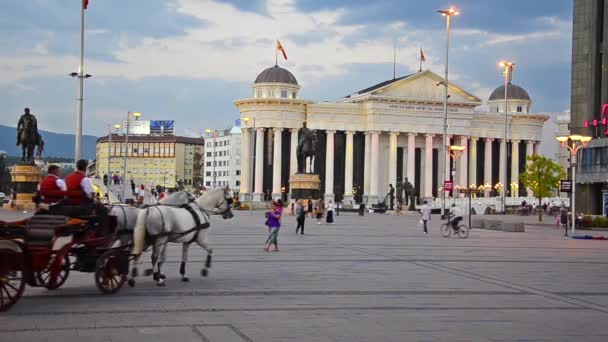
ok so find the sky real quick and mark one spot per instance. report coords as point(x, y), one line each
point(189, 60)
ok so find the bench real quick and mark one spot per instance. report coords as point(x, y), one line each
point(494, 224)
point(40, 229)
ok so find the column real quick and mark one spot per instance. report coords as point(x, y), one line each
point(411, 158)
point(392, 158)
point(462, 163)
point(514, 167)
point(537, 147)
point(246, 162)
point(293, 158)
point(473, 162)
point(448, 170)
point(259, 165)
point(502, 164)
point(367, 163)
point(276, 163)
point(488, 166)
point(374, 167)
point(348, 167)
point(428, 167)
point(329, 166)
point(529, 152)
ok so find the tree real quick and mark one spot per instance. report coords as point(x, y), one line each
point(542, 176)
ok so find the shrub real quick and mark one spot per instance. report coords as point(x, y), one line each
point(587, 221)
point(600, 222)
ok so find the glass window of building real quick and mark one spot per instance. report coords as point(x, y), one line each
point(519, 109)
point(284, 94)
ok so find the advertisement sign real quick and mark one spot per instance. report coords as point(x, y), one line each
point(448, 186)
point(138, 127)
point(565, 185)
point(162, 127)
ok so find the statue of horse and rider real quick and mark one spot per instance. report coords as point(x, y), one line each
point(28, 137)
point(307, 145)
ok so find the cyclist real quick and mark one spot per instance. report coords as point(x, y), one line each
point(456, 216)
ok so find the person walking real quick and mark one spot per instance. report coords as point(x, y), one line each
point(273, 222)
point(320, 211)
point(425, 216)
point(132, 186)
point(329, 217)
point(300, 216)
point(563, 218)
point(310, 207)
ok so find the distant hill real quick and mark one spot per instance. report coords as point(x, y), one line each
point(55, 144)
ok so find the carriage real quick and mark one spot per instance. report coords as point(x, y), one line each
point(42, 250)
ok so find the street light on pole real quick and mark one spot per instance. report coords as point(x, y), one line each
point(252, 153)
point(214, 155)
point(508, 66)
point(578, 142)
point(124, 165)
point(447, 14)
point(455, 152)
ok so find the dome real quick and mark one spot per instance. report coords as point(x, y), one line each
point(276, 74)
point(514, 92)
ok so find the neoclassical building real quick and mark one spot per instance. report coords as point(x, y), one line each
point(384, 134)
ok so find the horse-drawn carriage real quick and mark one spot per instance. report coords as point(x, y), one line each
point(40, 251)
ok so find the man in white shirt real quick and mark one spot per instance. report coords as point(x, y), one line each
point(457, 214)
point(425, 215)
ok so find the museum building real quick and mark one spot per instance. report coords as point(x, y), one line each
point(385, 134)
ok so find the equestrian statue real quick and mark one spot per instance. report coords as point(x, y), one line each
point(307, 145)
point(28, 137)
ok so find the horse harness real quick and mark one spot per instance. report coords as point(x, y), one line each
point(174, 236)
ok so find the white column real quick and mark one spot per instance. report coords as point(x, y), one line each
point(392, 158)
point(329, 165)
point(428, 167)
point(259, 165)
point(276, 163)
point(514, 167)
point(488, 165)
point(411, 158)
point(293, 158)
point(529, 152)
point(502, 163)
point(246, 161)
point(473, 162)
point(348, 167)
point(537, 147)
point(367, 164)
point(374, 167)
point(462, 163)
point(447, 160)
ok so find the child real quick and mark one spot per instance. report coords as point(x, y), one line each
point(329, 217)
point(273, 221)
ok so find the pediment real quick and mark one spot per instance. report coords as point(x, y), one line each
point(423, 86)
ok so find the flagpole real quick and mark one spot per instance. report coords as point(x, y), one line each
point(395, 60)
point(79, 100)
point(276, 53)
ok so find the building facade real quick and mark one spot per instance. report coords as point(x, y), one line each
point(153, 160)
point(589, 93)
point(223, 159)
point(384, 135)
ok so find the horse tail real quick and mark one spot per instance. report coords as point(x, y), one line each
point(139, 232)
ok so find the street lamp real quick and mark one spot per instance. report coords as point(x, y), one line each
point(508, 66)
point(214, 155)
point(252, 153)
point(110, 132)
point(124, 162)
point(447, 14)
point(578, 142)
point(455, 152)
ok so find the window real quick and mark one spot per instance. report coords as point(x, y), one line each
point(208, 154)
point(238, 173)
point(208, 164)
point(293, 95)
point(258, 93)
point(284, 94)
point(207, 183)
point(519, 109)
point(238, 183)
point(208, 173)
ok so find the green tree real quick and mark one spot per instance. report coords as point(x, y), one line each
point(542, 176)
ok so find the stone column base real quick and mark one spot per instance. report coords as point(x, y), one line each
point(258, 197)
point(349, 199)
point(328, 197)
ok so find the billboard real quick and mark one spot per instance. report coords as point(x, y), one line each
point(162, 127)
point(138, 127)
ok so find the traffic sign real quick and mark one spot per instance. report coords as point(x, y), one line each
point(565, 185)
point(448, 185)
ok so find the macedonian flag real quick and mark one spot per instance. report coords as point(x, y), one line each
point(280, 48)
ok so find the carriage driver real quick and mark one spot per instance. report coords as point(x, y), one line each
point(52, 188)
point(27, 122)
point(78, 183)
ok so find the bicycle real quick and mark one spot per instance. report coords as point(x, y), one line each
point(447, 229)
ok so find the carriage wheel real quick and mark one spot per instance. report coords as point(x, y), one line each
point(111, 272)
point(12, 282)
point(44, 276)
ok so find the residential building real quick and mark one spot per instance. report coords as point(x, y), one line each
point(223, 158)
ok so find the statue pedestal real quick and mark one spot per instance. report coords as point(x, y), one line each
point(305, 185)
point(26, 178)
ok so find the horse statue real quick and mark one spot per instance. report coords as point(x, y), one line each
point(307, 145)
point(179, 218)
point(28, 137)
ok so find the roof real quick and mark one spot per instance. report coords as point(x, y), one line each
point(154, 139)
point(276, 74)
point(514, 92)
point(378, 86)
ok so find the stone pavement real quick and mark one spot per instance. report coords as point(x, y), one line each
point(372, 278)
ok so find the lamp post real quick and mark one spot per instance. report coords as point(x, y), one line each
point(110, 132)
point(578, 142)
point(214, 155)
point(124, 161)
point(508, 66)
point(252, 153)
point(447, 14)
point(455, 152)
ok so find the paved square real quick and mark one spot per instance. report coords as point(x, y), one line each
point(372, 278)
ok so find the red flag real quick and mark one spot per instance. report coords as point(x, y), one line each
point(422, 58)
point(280, 48)
point(85, 4)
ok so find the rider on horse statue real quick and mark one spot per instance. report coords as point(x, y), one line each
point(27, 135)
point(307, 144)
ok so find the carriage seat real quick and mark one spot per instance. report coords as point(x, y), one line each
point(40, 229)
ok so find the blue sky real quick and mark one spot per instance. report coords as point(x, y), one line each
point(190, 59)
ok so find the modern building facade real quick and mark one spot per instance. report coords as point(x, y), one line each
point(153, 160)
point(589, 94)
point(223, 158)
point(384, 134)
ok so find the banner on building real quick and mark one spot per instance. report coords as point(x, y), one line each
point(162, 127)
point(138, 127)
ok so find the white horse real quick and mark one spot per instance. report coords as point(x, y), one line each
point(179, 218)
point(126, 218)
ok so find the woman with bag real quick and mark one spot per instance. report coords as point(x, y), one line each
point(320, 210)
point(300, 216)
point(273, 222)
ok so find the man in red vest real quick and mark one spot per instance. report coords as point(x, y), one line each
point(79, 185)
point(52, 188)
